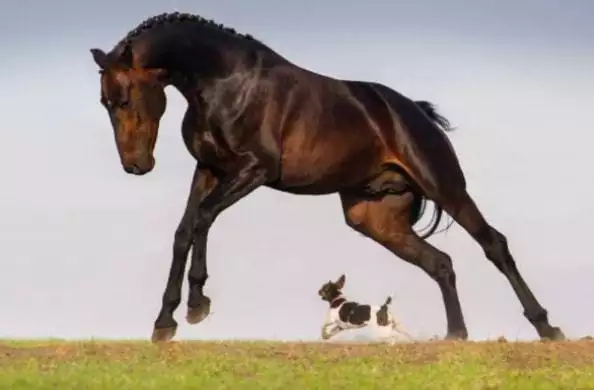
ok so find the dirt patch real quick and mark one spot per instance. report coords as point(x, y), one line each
point(515, 355)
point(9, 352)
point(529, 356)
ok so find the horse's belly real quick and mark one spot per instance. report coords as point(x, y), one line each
point(321, 165)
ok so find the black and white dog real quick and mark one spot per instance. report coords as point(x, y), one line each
point(344, 314)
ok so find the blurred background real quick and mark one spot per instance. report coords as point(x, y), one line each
point(85, 249)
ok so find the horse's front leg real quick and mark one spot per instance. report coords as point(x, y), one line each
point(198, 303)
point(165, 326)
point(230, 189)
point(223, 194)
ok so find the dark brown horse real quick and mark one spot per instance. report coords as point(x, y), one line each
point(255, 119)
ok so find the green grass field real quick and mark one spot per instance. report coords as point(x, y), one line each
point(304, 366)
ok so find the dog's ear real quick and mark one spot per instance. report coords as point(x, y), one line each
point(340, 282)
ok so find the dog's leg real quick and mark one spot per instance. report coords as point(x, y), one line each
point(330, 329)
point(383, 332)
point(399, 328)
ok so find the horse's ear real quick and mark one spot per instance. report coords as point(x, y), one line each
point(340, 281)
point(100, 58)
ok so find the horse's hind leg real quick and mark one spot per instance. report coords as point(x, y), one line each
point(465, 212)
point(387, 221)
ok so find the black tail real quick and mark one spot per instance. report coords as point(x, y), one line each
point(382, 314)
point(430, 110)
point(419, 207)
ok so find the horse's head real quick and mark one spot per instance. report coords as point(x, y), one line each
point(135, 101)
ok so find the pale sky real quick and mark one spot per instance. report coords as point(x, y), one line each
point(85, 249)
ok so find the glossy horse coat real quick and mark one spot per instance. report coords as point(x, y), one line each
point(256, 119)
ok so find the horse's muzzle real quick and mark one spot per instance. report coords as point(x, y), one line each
point(139, 168)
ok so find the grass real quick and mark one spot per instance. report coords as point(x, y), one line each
point(305, 366)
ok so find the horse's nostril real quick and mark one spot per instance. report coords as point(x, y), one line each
point(132, 168)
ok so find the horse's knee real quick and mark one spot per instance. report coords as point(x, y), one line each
point(356, 216)
point(441, 269)
point(182, 241)
point(496, 249)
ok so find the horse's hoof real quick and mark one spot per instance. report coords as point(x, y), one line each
point(459, 335)
point(200, 312)
point(161, 335)
point(554, 333)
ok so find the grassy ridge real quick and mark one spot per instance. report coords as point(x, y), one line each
point(304, 366)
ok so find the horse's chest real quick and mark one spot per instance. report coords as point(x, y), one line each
point(205, 148)
point(205, 141)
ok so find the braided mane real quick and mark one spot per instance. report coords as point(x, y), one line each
point(175, 18)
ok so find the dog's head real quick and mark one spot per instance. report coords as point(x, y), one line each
point(332, 290)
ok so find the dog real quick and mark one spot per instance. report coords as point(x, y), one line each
point(344, 314)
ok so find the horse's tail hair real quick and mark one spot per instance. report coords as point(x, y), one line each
point(429, 109)
point(419, 207)
point(418, 210)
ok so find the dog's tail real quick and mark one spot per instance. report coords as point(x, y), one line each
point(388, 301)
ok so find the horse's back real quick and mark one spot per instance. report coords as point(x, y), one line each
point(328, 140)
point(413, 140)
point(342, 132)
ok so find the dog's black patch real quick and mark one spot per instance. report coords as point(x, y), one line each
point(353, 313)
point(382, 313)
point(382, 316)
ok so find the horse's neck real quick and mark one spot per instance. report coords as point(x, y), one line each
point(231, 71)
point(226, 97)
point(224, 91)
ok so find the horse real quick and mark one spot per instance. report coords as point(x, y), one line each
point(255, 119)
